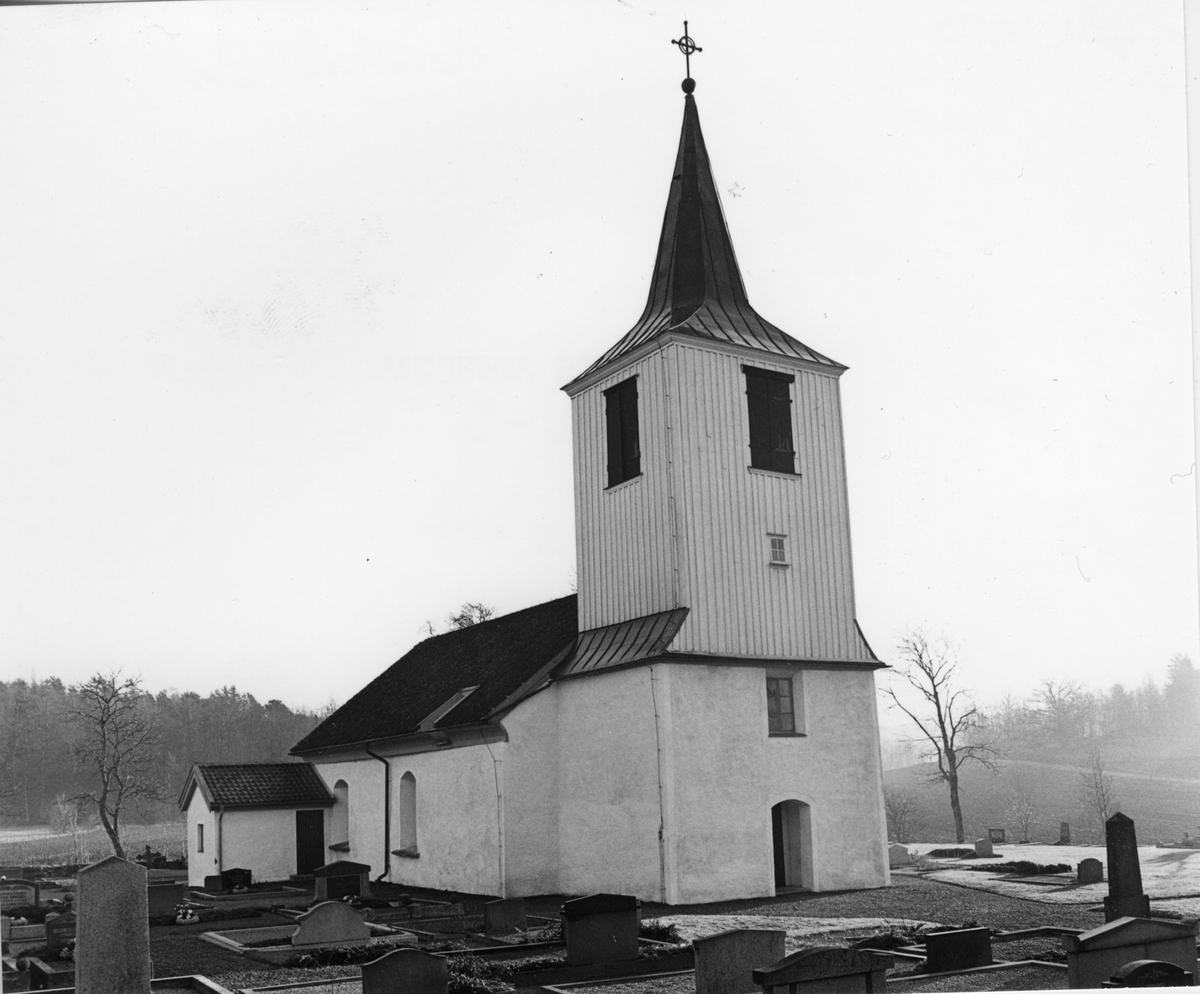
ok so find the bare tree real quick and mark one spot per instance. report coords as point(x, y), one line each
point(945, 716)
point(1096, 789)
point(115, 746)
point(471, 613)
point(900, 805)
point(1020, 806)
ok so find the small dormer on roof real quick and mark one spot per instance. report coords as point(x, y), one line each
point(697, 288)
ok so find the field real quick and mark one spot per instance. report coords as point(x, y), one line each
point(39, 846)
point(1170, 876)
point(1162, 807)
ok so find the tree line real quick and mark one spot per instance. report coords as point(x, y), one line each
point(53, 739)
point(1061, 721)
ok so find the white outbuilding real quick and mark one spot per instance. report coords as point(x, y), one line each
point(269, 818)
point(699, 722)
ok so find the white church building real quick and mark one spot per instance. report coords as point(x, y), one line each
point(699, 722)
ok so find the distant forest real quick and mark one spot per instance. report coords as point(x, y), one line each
point(1143, 728)
point(38, 773)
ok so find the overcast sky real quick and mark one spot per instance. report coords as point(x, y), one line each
point(289, 290)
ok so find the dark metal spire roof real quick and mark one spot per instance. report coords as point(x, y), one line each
point(697, 287)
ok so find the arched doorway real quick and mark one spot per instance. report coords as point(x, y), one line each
point(791, 844)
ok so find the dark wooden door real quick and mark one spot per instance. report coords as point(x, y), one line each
point(310, 840)
point(777, 845)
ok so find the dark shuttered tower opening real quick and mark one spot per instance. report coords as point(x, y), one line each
point(769, 400)
point(621, 413)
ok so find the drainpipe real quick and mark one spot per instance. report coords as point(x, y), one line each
point(220, 842)
point(387, 813)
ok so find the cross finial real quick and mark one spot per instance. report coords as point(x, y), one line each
point(687, 46)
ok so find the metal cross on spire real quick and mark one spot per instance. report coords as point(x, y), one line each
point(687, 46)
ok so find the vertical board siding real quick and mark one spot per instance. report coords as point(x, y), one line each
point(623, 534)
point(638, 555)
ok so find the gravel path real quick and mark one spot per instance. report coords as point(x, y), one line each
point(909, 897)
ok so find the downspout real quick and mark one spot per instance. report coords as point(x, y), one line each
point(220, 842)
point(387, 813)
point(496, 773)
point(662, 817)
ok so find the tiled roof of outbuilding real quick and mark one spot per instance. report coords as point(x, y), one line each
point(495, 657)
point(257, 785)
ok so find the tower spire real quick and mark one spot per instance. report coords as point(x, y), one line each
point(696, 287)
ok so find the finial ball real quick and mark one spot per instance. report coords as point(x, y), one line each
point(688, 85)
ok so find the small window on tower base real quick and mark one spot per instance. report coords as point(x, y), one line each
point(781, 711)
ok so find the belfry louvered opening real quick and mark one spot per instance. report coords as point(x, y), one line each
point(769, 401)
point(621, 415)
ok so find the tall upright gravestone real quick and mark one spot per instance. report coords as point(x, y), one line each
point(112, 945)
point(1125, 895)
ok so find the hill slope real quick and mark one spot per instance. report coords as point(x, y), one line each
point(1162, 807)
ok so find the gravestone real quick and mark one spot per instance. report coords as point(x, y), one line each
point(826, 969)
point(1089, 871)
point(1097, 954)
point(996, 834)
point(725, 962)
point(342, 879)
point(898, 855)
point(1125, 896)
point(18, 894)
point(112, 949)
point(59, 929)
point(505, 916)
point(602, 928)
point(163, 898)
point(1150, 973)
point(983, 848)
point(236, 877)
point(212, 884)
point(957, 949)
point(1064, 833)
point(406, 971)
point(328, 923)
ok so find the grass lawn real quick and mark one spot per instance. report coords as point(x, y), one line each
point(38, 846)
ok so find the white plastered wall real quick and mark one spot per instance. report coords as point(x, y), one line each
point(201, 864)
point(262, 841)
point(582, 804)
point(364, 782)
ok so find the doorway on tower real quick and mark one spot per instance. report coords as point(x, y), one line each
point(791, 843)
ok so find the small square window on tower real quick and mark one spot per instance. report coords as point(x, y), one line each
point(621, 415)
point(778, 550)
point(769, 402)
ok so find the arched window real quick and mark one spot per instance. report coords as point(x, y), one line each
point(339, 817)
point(408, 814)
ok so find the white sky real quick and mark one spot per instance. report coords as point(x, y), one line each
point(288, 289)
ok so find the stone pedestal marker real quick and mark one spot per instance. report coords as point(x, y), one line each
point(898, 855)
point(406, 971)
point(112, 946)
point(1125, 895)
point(1097, 954)
point(602, 928)
point(725, 962)
point(957, 949)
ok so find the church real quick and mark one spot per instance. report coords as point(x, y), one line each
point(699, 722)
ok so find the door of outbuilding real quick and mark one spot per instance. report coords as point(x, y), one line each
point(310, 840)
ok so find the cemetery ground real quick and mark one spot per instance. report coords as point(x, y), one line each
point(933, 891)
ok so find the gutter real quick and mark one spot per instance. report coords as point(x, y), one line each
point(387, 812)
point(220, 842)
